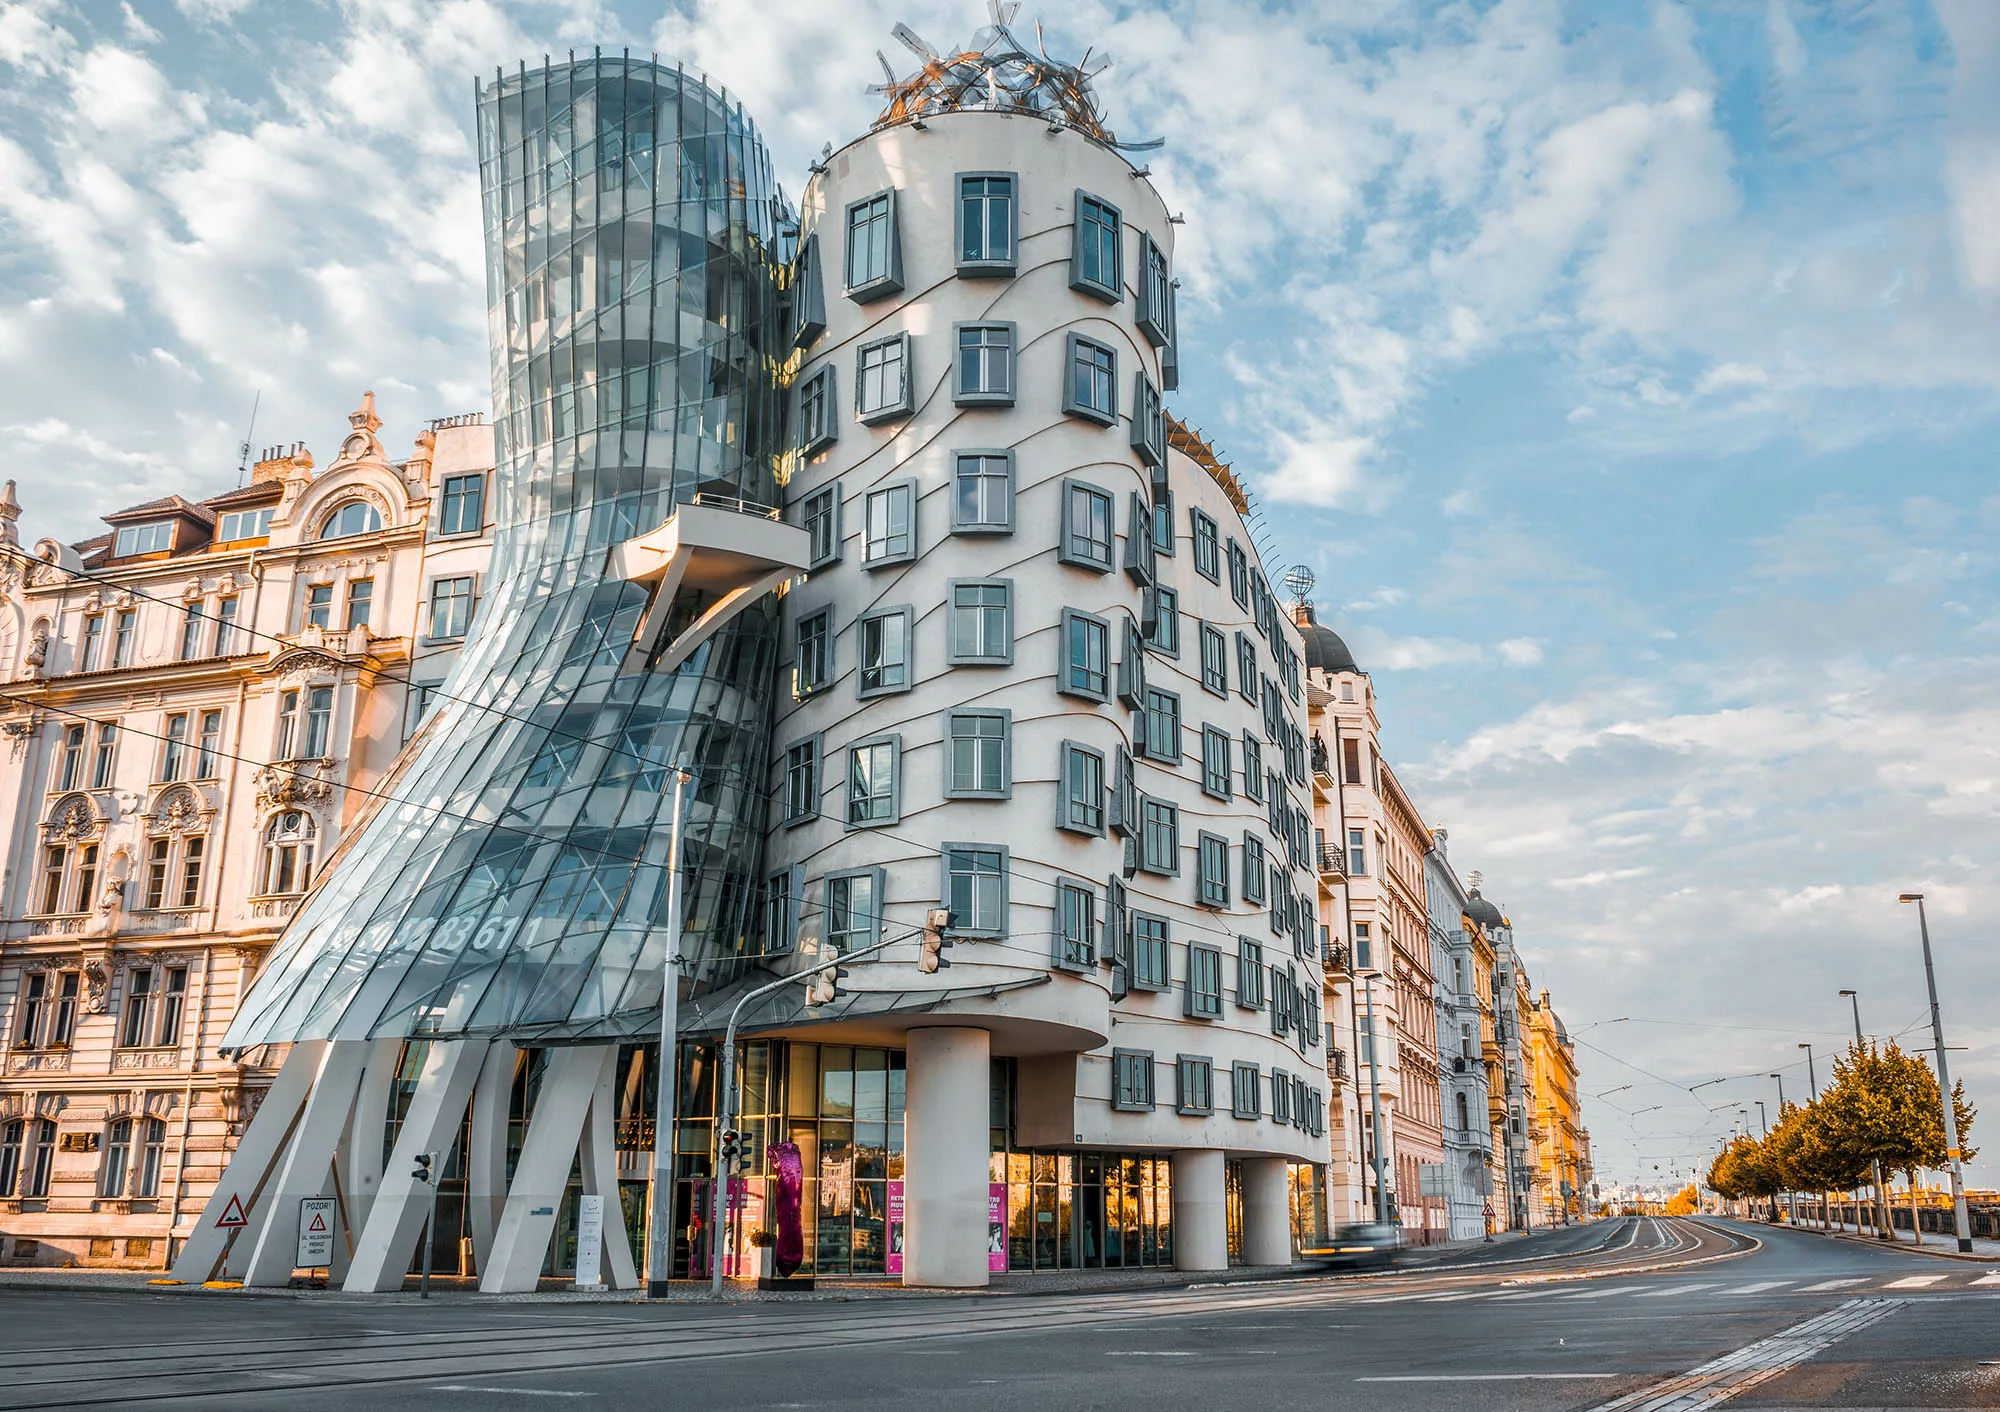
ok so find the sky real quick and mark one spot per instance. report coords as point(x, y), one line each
point(1628, 374)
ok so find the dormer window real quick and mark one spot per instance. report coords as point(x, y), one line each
point(246, 524)
point(355, 517)
point(155, 538)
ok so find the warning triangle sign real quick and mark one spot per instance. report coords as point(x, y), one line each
point(318, 1222)
point(232, 1217)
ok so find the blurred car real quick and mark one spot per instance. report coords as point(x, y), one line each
point(1366, 1245)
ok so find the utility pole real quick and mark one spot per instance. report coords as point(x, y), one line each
point(1961, 1221)
point(1375, 1099)
point(1874, 1164)
point(660, 1191)
point(1812, 1080)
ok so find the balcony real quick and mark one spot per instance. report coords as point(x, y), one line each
point(708, 561)
point(1336, 1064)
point(1330, 862)
point(1339, 959)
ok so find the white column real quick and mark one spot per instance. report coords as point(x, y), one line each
point(308, 1162)
point(599, 1161)
point(1267, 1212)
point(259, 1146)
point(945, 1164)
point(486, 1160)
point(383, 1248)
point(541, 1176)
point(1201, 1229)
point(362, 1167)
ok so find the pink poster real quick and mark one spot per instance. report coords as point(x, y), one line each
point(996, 1227)
point(894, 1255)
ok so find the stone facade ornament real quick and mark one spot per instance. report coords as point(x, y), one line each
point(75, 819)
point(281, 788)
point(96, 986)
point(19, 732)
point(10, 514)
point(37, 656)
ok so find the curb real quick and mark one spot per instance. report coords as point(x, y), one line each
point(1876, 1243)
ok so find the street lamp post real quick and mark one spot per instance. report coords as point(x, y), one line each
point(1791, 1197)
point(1375, 1099)
point(1812, 1079)
point(1874, 1163)
point(1960, 1220)
point(660, 1189)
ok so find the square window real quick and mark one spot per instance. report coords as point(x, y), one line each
point(1149, 421)
point(1212, 858)
point(1214, 661)
point(1194, 1085)
point(1162, 735)
point(1096, 264)
point(891, 525)
point(1090, 390)
point(1086, 667)
point(1154, 315)
point(873, 796)
point(981, 628)
point(1165, 637)
point(802, 780)
point(986, 223)
point(983, 373)
point(882, 652)
point(451, 607)
point(1159, 836)
point(975, 887)
point(820, 516)
point(874, 253)
point(1250, 974)
point(1204, 983)
point(1216, 775)
point(817, 425)
point(979, 746)
point(812, 665)
point(1080, 800)
point(882, 379)
point(982, 492)
point(1131, 1079)
point(1207, 547)
point(462, 507)
point(854, 909)
point(1076, 926)
point(1086, 527)
point(1254, 870)
point(1246, 1091)
point(1150, 950)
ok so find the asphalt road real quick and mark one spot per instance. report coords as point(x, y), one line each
point(1645, 1315)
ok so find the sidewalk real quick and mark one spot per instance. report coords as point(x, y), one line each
point(1984, 1250)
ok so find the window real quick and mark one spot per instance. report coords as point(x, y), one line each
point(982, 492)
point(1215, 769)
point(1159, 836)
point(155, 538)
point(1253, 768)
point(1207, 560)
point(1150, 948)
point(69, 764)
point(1162, 735)
point(1086, 527)
point(1214, 661)
point(983, 375)
point(812, 667)
point(986, 223)
point(319, 605)
point(781, 921)
point(360, 599)
point(140, 998)
point(1204, 983)
point(451, 607)
point(872, 795)
point(355, 517)
point(288, 723)
point(319, 722)
point(135, 1149)
point(1245, 1091)
point(191, 632)
point(1357, 854)
point(1249, 974)
point(1091, 389)
point(975, 887)
point(245, 524)
point(874, 255)
point(979, 764)
point(1246, 666)
point(1166, 634)
point(48, 1010)
point(820, 515)
point(107, 747)
point(1131, 1079)
point(1149, 427)
point(1080, 802)
point(882, 379)
point(93, 643)
point(27, 1154)
point(174, 748)
point(1124, 801)
point(225, 627)
point(123, 638)
point(1086, 656)
point(288, 852)
point(1212, 855)
point(883, 652)
point(853, 909)
point(1095, 266)
point(55, 864)
point(417, 703)
point(982, 627)
point(1131, 665)
point(1364, 949)
point(1239, 575)
point(817, 430)
point(1254, 867)
point(802, 781)
point(1141, 565)
point(890, 525)
point(1281, 1096)
point(808, 295)
point(1076, 925)
point(1163, 522)
point(1154, 315)
point(1194, 1087)
point(192, 849)
point(462, 509)
point(157, 859)
point(1350, 755)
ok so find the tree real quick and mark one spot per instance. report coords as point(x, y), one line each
point(1885, 1106)
point(1685, 1202)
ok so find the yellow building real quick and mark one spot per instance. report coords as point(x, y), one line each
point(1559, 1146)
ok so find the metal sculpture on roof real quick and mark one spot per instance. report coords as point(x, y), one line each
point(998, 74)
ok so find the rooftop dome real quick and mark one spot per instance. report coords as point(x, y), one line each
point(1482, 911)
point(1325, 652)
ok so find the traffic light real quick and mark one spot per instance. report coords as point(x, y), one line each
point(824, 987)
point(937, 922)
point(736, 1156)
point(424, 1174)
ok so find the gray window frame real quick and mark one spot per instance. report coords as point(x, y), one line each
point(1202, 988)
point(1252, 980)
point(1096, 288)
point(1066, 817)
point(1253, 767)
point(1065, 684)
point(801, 692)
point(1070, 547)
point(1255, 865)
point(820, 384)
point(986, 266)
point(1246, 667)
point(1160, 948)
point(447, 499)
point(872, 932)
point(961, 525)
point(1149, 421)
point(951, 720)
point(1067, 953)
point(964, 925)
point(1147, 863)
point(1169, 703)
point(1246, 1080)
point(1207, 537)
point(1132, 1070)
point(1106, 415)
point(1154, 315)
point(1211, 870)
point(1165, 637)
point(952, 654)
point(964, 396)
point(788, 818)
point(864, 692)
point(888, 411)
point(471, 582)
point(808, 294)
point(890, 280)
point(1212, 635)
point(1190, 1069)
point(908, 488)
point(1239, 573)
point(1211, 756)
point(894, 741)
point(830, 495)
point(1163, 523)
point(787, 926)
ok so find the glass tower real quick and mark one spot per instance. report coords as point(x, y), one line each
point(514, 882)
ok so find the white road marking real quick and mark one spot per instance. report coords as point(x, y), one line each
point(1760, 1286)
point(1178, 1353)
point(1720, 1379)
point(1984, 1280)
point(556, 1392)
point(1605, 1293)
point(1690, 1289)
point(1916, 1281)
point(1839, 1284)
point(1486, 1377)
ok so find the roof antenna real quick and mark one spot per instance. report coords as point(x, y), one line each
point(243, 451)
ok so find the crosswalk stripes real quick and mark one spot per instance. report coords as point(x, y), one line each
point(1678, 1289)
point(1757, 1287)
point(1825, 1285)
point(1987, 1281)
point(1916, 1281)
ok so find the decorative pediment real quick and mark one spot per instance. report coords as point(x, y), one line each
point(303, 784)
point(74, 818)
point(179, 809)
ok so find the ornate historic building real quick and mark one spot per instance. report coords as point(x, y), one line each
point(199, 703)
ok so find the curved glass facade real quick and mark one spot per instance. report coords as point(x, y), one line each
point(517, 885)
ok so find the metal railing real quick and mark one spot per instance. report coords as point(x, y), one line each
point(1330, 860)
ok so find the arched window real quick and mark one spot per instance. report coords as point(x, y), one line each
point(134, 1146)
point(1464, 1115)
point(355, 517)
point(288, 852)
point(27, 1154)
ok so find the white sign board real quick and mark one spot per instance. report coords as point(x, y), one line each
point(589, 1242)
point(1430, 1179)
point(316, 1222)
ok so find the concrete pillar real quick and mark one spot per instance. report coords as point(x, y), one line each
point(1201, 1221)
point(598, 1159)
point(362, 1149)
point(541, 1176)
point(1267, 1211)
point(945, 1165)
point(486, 1161)
point(396, 1215)
point(308, 1162)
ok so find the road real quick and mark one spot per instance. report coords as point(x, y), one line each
point(1652, 1315)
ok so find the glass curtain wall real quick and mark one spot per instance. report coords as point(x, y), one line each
point(516, 883)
